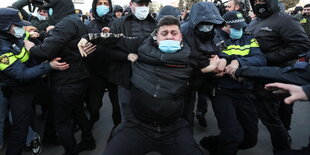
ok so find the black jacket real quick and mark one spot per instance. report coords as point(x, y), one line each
point(119, 68)
point(97, 62)
point(62, 42)
point(162, 76)
point(281, 37)
point(202, 12)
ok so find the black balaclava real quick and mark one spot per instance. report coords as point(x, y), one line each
point(205, 35)
point(265, 10)
point(261, 10)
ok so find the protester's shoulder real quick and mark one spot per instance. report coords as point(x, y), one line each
point(247, 34)
point(285, 17)
point(299, 16)
point(184, 27)
point(72, 18)
point(70, 21)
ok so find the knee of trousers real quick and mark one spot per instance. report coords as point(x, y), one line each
point(236, 138)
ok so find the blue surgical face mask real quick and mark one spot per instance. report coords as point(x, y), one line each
point(169, 46)
point(50, 11)
point(235, 33)
point(19, 31)
point(102, 10)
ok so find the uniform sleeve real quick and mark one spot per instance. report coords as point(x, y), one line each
point(255, 57)
point(295, 42)
point(290, 74)
point(54, 43)
point(14, 68)
point(307, 91)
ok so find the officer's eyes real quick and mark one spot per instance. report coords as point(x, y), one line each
point(174, 33)
point(164, 33)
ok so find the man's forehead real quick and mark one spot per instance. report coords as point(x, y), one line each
point(260, 0)
point(169, 27)
point(230, 2)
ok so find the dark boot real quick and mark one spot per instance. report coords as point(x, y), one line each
point(210, 144)
point(87, 144)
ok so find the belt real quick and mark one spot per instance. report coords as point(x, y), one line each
point(159, 124)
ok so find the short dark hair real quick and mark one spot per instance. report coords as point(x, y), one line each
point(168, 20)
point(307, 5)
point(240, 4)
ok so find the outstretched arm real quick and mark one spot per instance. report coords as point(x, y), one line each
point(110, 40)
point(297, 93)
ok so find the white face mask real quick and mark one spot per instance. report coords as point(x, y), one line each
point(40, 17)
point(141, 12)
point(19, 32)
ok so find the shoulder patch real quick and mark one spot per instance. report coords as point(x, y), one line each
point(4, 60)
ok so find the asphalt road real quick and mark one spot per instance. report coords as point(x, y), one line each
point(300, 132)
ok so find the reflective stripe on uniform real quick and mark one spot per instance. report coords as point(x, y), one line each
point(27, 36)
point(254, 43)
point(6, 60)
point(241, 50)
point(237, 50)
point(303, 21)
point(24, 54)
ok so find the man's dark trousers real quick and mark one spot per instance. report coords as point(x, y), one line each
point(237, 118)
point(68, 100)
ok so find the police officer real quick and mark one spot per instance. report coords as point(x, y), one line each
point(68, 87)
point(233, 102)
point(19, 73)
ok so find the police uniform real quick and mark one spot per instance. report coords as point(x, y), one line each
point(18, 74)
point(233, 102)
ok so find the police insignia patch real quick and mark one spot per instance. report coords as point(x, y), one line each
point(5, 60)
point(239, 15)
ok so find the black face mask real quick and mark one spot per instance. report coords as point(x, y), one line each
point(205, 35)
point(262, 10)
